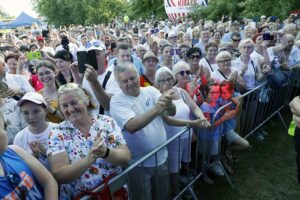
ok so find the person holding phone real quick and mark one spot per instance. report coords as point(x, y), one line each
point(100, 82)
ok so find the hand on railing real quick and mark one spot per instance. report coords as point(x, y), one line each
point(226, 116)
point(199, 123)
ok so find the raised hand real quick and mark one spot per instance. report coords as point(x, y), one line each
point(90, 73)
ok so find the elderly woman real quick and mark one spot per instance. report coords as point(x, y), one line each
point(209, 61)
point(21, 175)
point(227, 72)
point(150, 61)
point(85, 148)
point(182, 73)
point(164, 80)
point(249, 69)
point(46, 72)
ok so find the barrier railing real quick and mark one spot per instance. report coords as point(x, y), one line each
point(256, 109)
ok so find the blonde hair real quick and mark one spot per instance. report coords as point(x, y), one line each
point(82, 94)
point(245, 41)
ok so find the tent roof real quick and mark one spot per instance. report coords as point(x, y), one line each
point(22, 20)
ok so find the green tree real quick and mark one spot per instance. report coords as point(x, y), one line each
point(281, 9)
point(146, 8)
point(66, 12)
point(238, 9)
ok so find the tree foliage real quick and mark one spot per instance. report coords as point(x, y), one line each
point(66, 12)
point(238, 9)
point(146, 8)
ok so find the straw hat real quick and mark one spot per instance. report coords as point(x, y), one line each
point(149, 54)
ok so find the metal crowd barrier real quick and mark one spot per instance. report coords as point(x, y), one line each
point(255, 111)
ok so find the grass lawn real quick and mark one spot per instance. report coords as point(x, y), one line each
point(267, 171)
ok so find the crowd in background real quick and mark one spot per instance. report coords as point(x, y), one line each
point(86, 101)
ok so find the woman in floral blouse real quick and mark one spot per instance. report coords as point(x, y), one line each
point(85, 148)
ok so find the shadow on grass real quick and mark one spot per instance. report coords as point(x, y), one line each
point(267, 171)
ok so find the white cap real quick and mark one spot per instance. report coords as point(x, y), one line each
point(33, 97)
point(95, 45)
point(172, 34)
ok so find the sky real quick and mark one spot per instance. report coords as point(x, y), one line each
point(15, 7)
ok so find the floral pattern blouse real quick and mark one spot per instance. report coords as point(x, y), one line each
point(66, 138)
point(13, 118)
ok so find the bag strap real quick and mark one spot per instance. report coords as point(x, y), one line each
point(255, 70)
point(107, 76)
point(223, 75)
point(209, 64)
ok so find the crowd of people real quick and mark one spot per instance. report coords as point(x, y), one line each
point(79, 104)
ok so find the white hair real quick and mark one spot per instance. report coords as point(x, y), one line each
point(162, 71)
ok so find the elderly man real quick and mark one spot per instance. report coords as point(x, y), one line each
point(138, 111)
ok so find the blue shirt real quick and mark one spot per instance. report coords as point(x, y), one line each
point(12, 163)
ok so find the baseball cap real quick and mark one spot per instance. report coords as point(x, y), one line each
point(172, 34)
point(32, 97)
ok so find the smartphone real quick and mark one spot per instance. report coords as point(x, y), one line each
point(92, 59)
point(82, 60)
point(84, 57)
point(33, 55)
point(268, 36)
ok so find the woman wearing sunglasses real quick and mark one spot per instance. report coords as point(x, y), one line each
point(21, 175)
point(164, 80)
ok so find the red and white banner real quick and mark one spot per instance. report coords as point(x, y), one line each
point(180, 8)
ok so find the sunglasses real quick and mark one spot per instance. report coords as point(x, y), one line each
point(195, 56)
point(15, 181)
point(187, 72)
point(96, 43)
point(236, 40)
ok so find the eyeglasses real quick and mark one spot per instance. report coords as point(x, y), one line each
point(168, 80)
point(187, 72)
point(223, 61)
point(236, 40)
point(195, 56)
point(14, 181)
point(247, 47)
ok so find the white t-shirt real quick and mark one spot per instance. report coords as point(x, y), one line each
point(111, 87)
point(218, 76)
point(250, 75)
point(124, 107)
point(25, 137)
point(211, 67)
